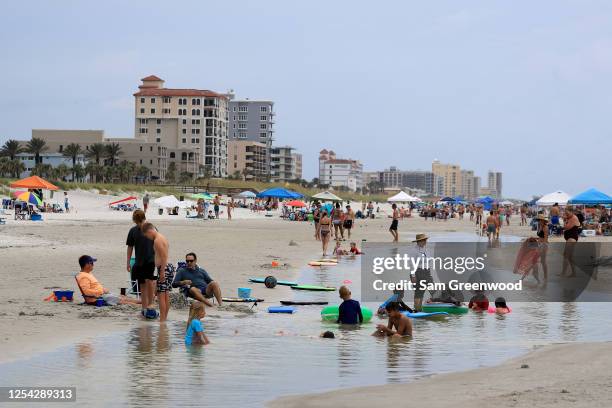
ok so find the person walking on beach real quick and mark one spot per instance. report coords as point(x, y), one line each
point(164, 274)
point(337, 217)
point(523, 211)
point(143, 270)
point(325, 230)
point(316, 217)
point(66, 202)
point(145, 202)
point(571, 232)
point(479, 215)
point(422, 275)
point(492, 222)
point(543, 243)
point(230, 206)
point(394, 223)
point(349, 220)
point(216, 203)
point(555, 212)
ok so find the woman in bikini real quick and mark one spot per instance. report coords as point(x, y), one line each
point(325, 230)
point(337, 217)
point(543, 240)
point(571, 232)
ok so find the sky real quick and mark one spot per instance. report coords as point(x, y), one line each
point(520, 87)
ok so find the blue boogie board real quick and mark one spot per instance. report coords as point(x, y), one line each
point(281, 309)
point(421, 315)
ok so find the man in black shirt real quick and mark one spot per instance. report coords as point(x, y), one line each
point(144, 268)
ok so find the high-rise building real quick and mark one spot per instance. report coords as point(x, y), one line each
point(247, 159)
point(283, 164)
point(252, 120)
point(334, 172)
point(452, 177)
point(394, 178)
point(191, 123)
point(297, 165)
point(495, 183)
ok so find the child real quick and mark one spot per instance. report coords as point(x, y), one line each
point(328, 335)
point(339, 251)
point(397, 320)
point(500, 306)
point(349, 311)
point(195, 331)
point(354, 250)
point(479, 303)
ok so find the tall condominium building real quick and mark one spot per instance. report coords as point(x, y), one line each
point(336, 172)
point(283, 166)
point(247, 159)
point(452, 177)
point(495, 183)
point(425, 181)
point(191, 123)
point(252, 120)
point(297, 165)
point(470, 185)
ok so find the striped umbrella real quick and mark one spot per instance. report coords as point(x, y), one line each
point(29, 198)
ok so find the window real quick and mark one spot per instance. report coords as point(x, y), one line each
point(263, 109)
point(195, 101)
point(158, 131)
point(172, 155)
point(166, 99)
point(182, 101)
point(242, 126)
point(141, 148)
point(263, 117)
point(142, 110)
point(184, 156)
point(61, 148)
point(263, 134)
point(243, 109)
point(159, 121)
point(143, 130)
point(184, 131)
point(234, 111)
point(184, 140)
point(263, 126)
point(233, 126)
point(197, 140)
point(152, 100)
point(151, 161)
point(142, 100)
point(182, 112)
point(167, 111)
point(153, 111)
point(184, 121)
point(193, 140)
point(242, 135)
point(150, 148)
point(140, 161)
point(158, 140)
point(243, 117)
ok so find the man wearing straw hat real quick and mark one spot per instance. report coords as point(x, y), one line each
point(421, 274)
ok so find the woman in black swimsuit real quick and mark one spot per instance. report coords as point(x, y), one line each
point(543, 241)
point(571, 231)
point(316, 216)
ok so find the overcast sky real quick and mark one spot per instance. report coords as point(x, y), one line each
point(522, 87)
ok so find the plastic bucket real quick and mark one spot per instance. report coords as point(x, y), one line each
point(63, 295)
point(244, 293)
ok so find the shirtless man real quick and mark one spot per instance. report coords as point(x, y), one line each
point(394, 223)
point(492, 221)
point(397, 320)
point(164, 276)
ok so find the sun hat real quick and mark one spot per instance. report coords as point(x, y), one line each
point(420, 237)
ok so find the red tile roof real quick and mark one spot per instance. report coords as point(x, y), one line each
point(324, 151)
point(151, 78)
point(340, 161)
point(177, 92)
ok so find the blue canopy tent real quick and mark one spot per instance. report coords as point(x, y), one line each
point(279, 192)
point(532, 202)
point(448, 199)
point(591, 196)
point(486, 201)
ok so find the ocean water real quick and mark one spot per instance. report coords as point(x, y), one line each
point(255, 357)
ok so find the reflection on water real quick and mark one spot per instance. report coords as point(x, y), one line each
point(254, 358)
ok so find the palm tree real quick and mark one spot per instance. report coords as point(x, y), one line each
point(16, 167)
point(61, 171)
point(96, 151)
point(11, 149)
point(42, 170)
point(79, 172)
point(4, 166)
point(73, 150)
point(113, 151)
point(36, 146)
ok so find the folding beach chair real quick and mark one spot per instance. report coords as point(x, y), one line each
point(88, 300)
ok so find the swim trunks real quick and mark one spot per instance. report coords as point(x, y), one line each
point(393, 226)
point(166, 284)
point(491, 228)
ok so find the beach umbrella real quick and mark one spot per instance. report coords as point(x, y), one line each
point(29, 198)
point(560, 197)
point(17, 193)
point(504, 203)
point(204, 196)
point(186, 204)
point(34, 183)
point(130, 198)
point(296, 203)
point(591, 197)
point(402, 197)
point(326, 196)
point(279, 192)
point(168, 201)
point(448, 200)
point(247, 194)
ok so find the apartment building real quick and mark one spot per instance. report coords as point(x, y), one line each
point(495, 184)
point(470, 185)
point(297, 165)
point(336, 172)
point(191, 123)
point(417, 180)
point(282, 167)
point(136, 150)
point(451, 174)
point(247, 159)
point(54, 159)
point(251, 120)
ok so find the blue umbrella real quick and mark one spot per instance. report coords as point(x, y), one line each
point(279, 192)
point(591, 197)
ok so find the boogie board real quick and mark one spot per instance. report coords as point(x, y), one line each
point(319, 263)
point(421, 315)
point(280, 282)
point(291, 302)
point(330, 313)
point(244, 300)
point(312, 287)
point(444, 307)
point(281, 309)
point(326, 260)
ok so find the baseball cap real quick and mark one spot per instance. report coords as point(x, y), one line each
point(86, 259)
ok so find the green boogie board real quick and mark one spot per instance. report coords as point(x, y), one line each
point(444, 307)
point(280, 282)
point(330, 313)
point(312, 287)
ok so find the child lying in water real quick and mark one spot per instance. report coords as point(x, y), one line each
point(397, 320)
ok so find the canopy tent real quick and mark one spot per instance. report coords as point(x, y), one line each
point(559, 197)
point(130, 198)
point(186, 204)
point(533, 202)
point(591, 196)
point(296, 203)
point(326, 196)
point(448, 200)
point(486, 202)
point(506, 202)
point(203, 196)
point(279, 192)
point(247, 194)
point(33, 183)
point(402, 197)
point(168, 201)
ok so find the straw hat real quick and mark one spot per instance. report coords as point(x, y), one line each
point(420, 237)
point(542, 217)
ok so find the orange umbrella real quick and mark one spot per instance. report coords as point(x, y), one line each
point(296, 203)
point(33, 182)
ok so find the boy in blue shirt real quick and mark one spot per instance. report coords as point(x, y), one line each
point(349, 311)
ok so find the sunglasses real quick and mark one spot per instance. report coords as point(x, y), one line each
point(190, 260)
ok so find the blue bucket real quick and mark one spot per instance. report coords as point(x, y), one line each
point(244, 293)
point(63, 295)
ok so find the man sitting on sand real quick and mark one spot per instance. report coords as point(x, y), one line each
point(397, 320)
point(196, 283)
point(92, 289)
